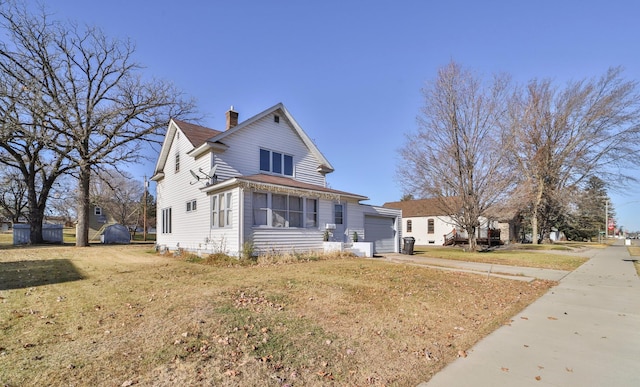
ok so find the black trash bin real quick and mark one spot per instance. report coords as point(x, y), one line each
point(408, 245)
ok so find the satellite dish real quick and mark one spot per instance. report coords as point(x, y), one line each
point(195, 176)
point(211, 175)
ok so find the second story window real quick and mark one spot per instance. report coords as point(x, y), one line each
point(177, 162)
point(276, 162)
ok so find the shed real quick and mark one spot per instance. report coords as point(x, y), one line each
point(116, 233)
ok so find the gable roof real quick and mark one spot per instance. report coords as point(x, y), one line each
point(196, 134)
point(423, 207)
point(324, 165)
point(204, 139)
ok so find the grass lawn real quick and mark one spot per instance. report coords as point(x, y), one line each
point(543, 257)
point(69, 237)
point(123, 315)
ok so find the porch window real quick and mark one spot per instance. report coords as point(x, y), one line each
point(276, 162)
point(166, 220)
point(295, 211)
point(311, 213)
point(409, 226)
point(260, 209)
point(221, 210)
point(430, 226)
point(279, 210)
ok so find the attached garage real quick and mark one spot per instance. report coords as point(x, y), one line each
point(381, 231)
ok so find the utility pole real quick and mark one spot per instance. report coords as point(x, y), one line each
point(606, 218)
point(144, 210)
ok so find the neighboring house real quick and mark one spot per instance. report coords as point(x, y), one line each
point(259, 186)
point(430, 224)
point(98, 221)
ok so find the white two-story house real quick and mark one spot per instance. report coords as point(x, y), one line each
point(260, 185)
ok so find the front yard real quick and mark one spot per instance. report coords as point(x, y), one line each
point(123, 315)
point(542, 256)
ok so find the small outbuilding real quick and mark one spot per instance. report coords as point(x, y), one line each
point(116, 234)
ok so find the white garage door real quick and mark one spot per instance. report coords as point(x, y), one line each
point(379, 230)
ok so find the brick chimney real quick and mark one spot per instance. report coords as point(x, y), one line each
point(232, 118)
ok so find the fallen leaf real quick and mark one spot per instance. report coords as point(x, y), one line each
point(540, 367)
point(524, 318)
point(552, 318)
point(505, 369)
point(538, 378)
point(569, 369)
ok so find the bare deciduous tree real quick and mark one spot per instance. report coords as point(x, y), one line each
point(561, 137)
point(26, 139)
point(119, 195)
point(93, 93)
point(13, 195)
point(457, 150)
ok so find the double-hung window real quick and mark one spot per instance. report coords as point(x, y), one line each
point(430, 226)
point(276, 162)
point(281, 210)
point(221, 210)
point(191, 205)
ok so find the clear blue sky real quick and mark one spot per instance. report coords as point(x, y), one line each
point(351, 71)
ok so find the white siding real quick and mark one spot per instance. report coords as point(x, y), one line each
point(442, 225)
point(243, 155)
point(189, 229)
point(224, 239)
point(286, 240)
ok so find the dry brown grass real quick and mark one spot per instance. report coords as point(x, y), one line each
point(513, 255)
point(121, 315)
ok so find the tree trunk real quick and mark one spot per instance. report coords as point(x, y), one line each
point(36, 216)
point(84, 205)
point(536, 212)
point(473, 240)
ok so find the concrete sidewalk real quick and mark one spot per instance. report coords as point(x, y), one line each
point(583, 332)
